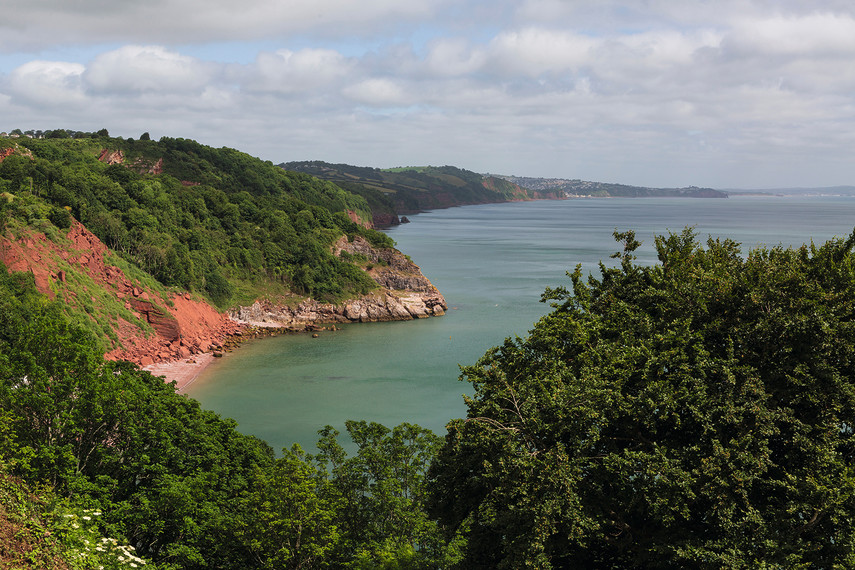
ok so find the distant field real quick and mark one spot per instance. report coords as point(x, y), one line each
point(406, 169)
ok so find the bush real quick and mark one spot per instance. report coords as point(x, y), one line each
point(697, 413)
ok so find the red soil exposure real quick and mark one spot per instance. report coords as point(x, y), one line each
point(188, 327)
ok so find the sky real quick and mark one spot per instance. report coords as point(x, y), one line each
point(668, 93)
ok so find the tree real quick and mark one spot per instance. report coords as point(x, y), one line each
point(696, 413)
point(379, 497)
point(291, 523)
point(168, 475)
point(145, 136)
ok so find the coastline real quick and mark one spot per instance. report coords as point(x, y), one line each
point(183, 372)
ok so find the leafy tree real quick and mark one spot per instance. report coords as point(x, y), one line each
point(292, 521)
point(379, 495)
point(167, 474)
point(696, 413)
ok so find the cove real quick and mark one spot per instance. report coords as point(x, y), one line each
point(492, 262)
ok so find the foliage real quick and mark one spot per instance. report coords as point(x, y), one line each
point(192, 216)
point(417, 188)
point(696, 413)
point(132, 460)
point(165, 474)
point(380, 494)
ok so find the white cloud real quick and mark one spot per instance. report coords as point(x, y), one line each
point(378, 92)
point(813, 35)
point(287, 71)
point(146, 68)
point(41, 83)
point(534, 51)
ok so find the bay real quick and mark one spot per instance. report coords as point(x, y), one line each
point(492, 262)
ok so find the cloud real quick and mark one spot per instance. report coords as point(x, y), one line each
point(287, 72)
point(46, 83)
point(38, 24)
point(813, 35)
point(379, 92)
point(132, 69)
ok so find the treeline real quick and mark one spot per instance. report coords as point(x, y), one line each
point(182, 485)
point(410, 190)
point(195, 217)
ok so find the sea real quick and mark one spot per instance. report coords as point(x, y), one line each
point(492, 263)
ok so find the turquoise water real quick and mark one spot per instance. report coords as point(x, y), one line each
point(491, 262)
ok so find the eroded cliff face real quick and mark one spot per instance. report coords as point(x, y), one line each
point(140, 165)
point(405, 294)
point(180, 325)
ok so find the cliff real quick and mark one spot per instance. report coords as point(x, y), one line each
point(148, 324)
point(404, 294)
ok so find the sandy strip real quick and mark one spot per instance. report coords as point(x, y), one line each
point(182, 372)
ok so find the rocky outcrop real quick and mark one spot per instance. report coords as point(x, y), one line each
point(404, 294)
point(160, 320)
point(383, 305)
point(144, 166)
point(140, 165)
point(9, 151)
point(385, 220)
point(354, 217)
point(108, 156)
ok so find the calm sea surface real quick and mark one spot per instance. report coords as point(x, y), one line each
point(491, 262)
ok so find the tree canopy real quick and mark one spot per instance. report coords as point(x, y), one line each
point(698, 412)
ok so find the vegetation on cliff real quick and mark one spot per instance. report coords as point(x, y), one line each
point(216, 221)
point(698, 412)
point(412, 189)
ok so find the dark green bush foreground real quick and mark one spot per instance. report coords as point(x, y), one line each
point(694, 414)
point(697, 413)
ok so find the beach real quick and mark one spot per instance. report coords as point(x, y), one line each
point(183, 372)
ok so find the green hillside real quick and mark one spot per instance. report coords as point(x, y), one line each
point(214, 221)
point(406, 190)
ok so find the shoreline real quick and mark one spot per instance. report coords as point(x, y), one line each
point(183, 372)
